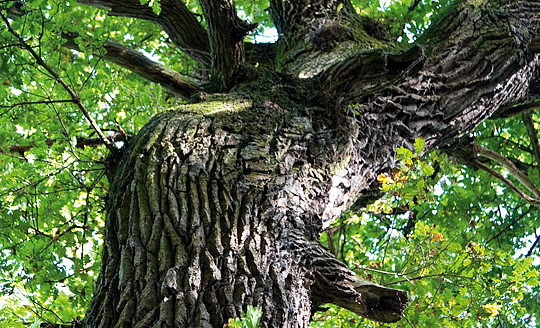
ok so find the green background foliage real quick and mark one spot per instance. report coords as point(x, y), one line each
point(458, 240)
point(464, 260)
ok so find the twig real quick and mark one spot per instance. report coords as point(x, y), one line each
point(533, 134)
point(529, 253)
point(81, 143)
point(25, 103)
point(75, 97)
point(436, 275)
point(410, 323)
point(514, 221)
point(65, 131)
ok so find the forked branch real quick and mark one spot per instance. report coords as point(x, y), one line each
point(512, 169)
point(468, 154)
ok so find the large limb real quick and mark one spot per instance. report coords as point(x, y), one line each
point(227, 33)
point(313, 35)
point(183, 27)
point(335, 283)
point(297, 15)
point(175, 18)
point(473, 61)
point(138, 63)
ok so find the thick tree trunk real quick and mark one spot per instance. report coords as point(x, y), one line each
point(219, 205)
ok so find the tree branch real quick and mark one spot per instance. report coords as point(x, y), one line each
point(226, 32)
point(514, 221)
point(176, 19)
point(507, 164)
point(26, 103)
point(533, 135)
point(81, 143)
point(506, 181)
point(529, 253)
point(141, 65)
point(467, 152)
point(335, 283)
point(516, 110)
point(74, 96)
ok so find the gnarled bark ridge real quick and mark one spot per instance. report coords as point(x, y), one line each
point(219, 205)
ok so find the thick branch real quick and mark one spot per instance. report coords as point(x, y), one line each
point(516, 110)
point(335, 283)
point(226, 32)
point(176, 19)
point(293, 16)
point(138, 63)
point(468, 154)
point(183, 28)
point(506, 181)
point(460, 77)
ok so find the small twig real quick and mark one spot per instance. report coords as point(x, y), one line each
point(65, 131)
point(75, 97)
point(25, 103)
point(90, 74)
point(514, 221)
point(529, 253)
point(533, 134)
point(81, 143)
point(410, 323)
point(436, 275)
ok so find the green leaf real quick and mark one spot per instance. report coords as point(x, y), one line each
point(419, 145)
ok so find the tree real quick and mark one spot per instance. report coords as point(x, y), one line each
point(218, 205)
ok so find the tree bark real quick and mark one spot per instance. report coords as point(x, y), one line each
point(219, 205)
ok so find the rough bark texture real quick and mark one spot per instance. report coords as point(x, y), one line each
point(219, 205)
point(223, 209)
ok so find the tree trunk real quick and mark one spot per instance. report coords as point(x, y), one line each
point(218, 205)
